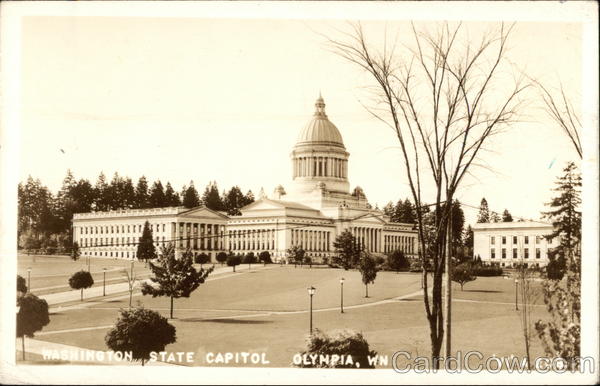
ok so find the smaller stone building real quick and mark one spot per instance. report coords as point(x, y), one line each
point(508, 243)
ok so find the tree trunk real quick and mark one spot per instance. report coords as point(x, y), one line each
point(171, 307)
point(82, 294)
point(130, 297)
point(23, 345)
point(234, 268)
point(366, 290)
point(142, 361)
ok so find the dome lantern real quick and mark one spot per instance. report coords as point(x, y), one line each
point(320, 155)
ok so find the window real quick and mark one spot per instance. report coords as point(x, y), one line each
point(503, 239)
point(163, 226)
point(504, 253)
point(526, 239)
point(493, 253)
point(514, 253)
point(538, 253)
point(493, 240)
point(537, 239)
point(527, 253)
point(157, 227)
point(514, 239)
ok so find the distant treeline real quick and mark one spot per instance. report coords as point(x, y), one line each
point(45, 218)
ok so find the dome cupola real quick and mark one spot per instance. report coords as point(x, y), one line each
point(320, 155)
point(320, 129)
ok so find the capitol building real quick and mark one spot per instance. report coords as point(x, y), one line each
point(310, 213)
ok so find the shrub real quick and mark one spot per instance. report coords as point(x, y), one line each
point(21, 284)
point(140, 331)
point(81, 280)
point(487, 270)
point(462, 274)
point(233, 260)
point(346, 342)
point(249, 258)
point(265, 257)
point(397, 261)
point(202, 258)
point(221, 257)
point(32, 316)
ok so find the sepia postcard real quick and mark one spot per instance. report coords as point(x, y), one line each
point(299, 192)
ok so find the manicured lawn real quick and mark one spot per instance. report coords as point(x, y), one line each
point(265, 311)
point(51, 274)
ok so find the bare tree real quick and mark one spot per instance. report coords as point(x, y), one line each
point(527, 295)
point(131, 280)
point(560, 109)
point(444, 97)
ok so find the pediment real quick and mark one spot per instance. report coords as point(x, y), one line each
point(203, 212)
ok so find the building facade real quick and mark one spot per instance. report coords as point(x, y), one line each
point(509, 243)
point(311, 213)
point(116, 233)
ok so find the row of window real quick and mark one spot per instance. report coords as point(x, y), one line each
point(538, 253)
point(515, 239)
point(114, 241)
point(108, 229)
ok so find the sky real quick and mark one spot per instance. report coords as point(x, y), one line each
point(203, 99)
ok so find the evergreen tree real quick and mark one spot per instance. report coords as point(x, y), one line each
point(142, 197)
point(347, 250)
point(101, 194)
point(407, 212)
point(561, 336)
point(468, 238)
point(398, 211)
point(211, 197)
point(388, 209)
point(368, 270)
point(565, 214)
point(248, 198)
point(171, 198)
point(233, 200)
point(157, 196)
point(121, 193)
point(174, 277)
point(65, 205)
point(190, 198)
point(458, 222)
point(484, 211)
point(506, 216)
point(494, 217)
point(145, 248)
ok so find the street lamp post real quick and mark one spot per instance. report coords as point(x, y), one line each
point(104, 282)
point(29, 279)
point(342, 295)
point(516, 294)
point(311, 292)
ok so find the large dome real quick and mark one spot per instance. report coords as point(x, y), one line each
point(320, 130)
